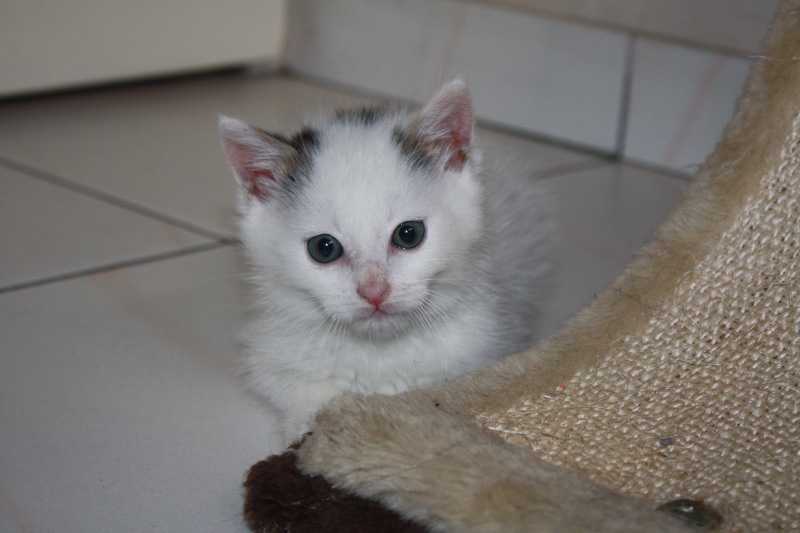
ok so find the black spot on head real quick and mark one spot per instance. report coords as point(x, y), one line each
point(298, 153)
point(305, 143)
point(364, 116)
point(414, 149)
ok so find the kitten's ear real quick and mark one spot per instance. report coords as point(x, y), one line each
point(446, 123)
point(258, 158)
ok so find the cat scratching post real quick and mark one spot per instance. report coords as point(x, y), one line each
point(680, 381)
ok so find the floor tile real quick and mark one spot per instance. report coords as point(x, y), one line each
point(155, 145)
point(48, 231)
point(604, 215)
point(525, 155)
point(119, 406)
point(611, 209)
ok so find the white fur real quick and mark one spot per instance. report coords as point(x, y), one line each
point(460, 300)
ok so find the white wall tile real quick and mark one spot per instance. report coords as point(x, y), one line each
point(733, 24)
point(544, 76)
point(540, 75)
point(386, 46)
point(681, 100)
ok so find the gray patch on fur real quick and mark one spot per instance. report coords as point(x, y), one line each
point(304, 145)
point(365, 116)
point(413, 149)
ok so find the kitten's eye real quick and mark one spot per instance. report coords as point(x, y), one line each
point(324, 249)
point(409, 234)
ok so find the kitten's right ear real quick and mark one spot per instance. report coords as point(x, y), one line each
point(258, 158)
point(446, 123)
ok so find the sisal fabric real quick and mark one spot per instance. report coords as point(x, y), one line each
point(704, 400)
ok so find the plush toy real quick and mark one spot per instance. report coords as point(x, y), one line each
point(278, 497)
point(671, 402)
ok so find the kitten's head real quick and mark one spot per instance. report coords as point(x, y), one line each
point(367, 217)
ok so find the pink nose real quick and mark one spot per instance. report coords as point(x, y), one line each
point(374, 292)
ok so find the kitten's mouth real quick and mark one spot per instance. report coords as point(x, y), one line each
point(378, 313)
point(379, 318)
point(386, 319)
point(390, 321)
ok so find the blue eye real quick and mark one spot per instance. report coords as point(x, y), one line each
point(324, 248)
point(409, 234)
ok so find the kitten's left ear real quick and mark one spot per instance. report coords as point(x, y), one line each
point(446, 123)
point(259, 160)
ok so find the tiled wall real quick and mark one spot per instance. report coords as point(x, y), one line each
point(621, 77)
point(734, 25)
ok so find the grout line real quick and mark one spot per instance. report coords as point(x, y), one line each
point(126, 263)
point(544, 138)
point(599, 162)
point(686, 174)
point(601, 156)
point(569, 168)
point(136, 81)
point(97, 194)
point(587, 21)
point(538, 137)
point(692, 112)
point(625, 97)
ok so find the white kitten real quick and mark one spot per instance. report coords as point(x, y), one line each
point(382, 258)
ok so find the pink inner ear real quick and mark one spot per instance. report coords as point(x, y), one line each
point(450, 113)
point(456, 141)
point(458, 150)
point(256, 183)
point(255, 180)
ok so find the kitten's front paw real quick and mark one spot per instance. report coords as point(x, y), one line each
point(351, 428)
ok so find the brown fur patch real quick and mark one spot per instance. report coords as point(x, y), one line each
point(279, 498)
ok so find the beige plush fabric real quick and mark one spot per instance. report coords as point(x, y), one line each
point(704, 400)
point(681, 380)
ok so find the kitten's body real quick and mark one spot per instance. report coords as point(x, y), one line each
point(389, 313)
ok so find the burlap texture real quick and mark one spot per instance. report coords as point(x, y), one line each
point(704, 401)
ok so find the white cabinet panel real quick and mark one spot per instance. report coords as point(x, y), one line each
point(51, 44)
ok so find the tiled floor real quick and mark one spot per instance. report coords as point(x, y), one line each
point(120, 301)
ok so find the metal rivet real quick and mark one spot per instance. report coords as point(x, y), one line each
point(696, 514)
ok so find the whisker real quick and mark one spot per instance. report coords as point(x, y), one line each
point(453, 299)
